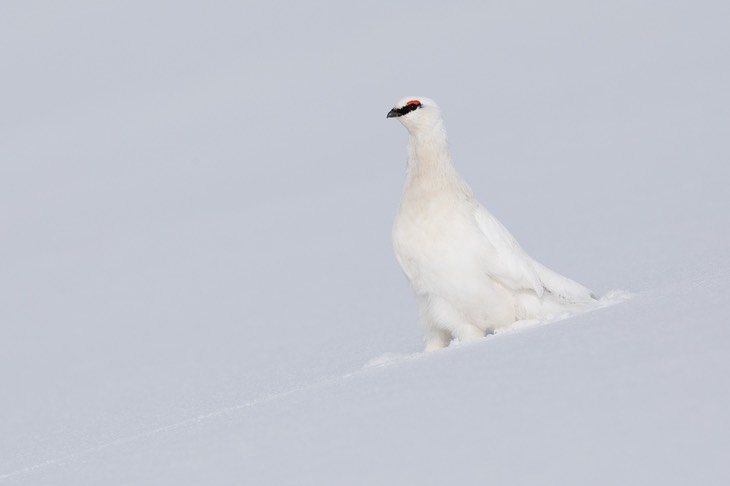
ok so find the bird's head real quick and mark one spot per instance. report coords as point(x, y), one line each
point(416, 113)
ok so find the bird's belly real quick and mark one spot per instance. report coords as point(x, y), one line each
point(444, 261)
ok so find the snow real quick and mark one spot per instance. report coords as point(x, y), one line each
point(197, 282)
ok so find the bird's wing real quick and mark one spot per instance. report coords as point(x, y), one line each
point(518, 271)
point(512, 266)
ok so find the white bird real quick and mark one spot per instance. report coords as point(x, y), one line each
point(469, 274)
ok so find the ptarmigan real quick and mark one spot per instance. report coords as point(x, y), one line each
point(469, 274)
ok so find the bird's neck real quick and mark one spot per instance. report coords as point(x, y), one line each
point(429, 161)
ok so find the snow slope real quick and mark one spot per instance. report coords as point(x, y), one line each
point(195, 211)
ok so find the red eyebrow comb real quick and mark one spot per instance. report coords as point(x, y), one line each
point(413, 102)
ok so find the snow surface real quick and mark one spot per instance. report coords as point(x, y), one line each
point(197, 284)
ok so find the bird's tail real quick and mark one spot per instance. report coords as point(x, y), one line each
point(562, 297)
point(566, 290)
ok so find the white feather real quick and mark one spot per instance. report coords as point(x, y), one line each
point(469, 273)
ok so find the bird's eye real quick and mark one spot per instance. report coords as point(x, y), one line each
point(405, 109)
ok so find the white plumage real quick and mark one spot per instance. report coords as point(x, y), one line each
point(469, 274)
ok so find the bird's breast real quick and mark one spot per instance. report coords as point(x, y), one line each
point(433, 236)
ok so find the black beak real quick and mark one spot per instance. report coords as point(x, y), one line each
point(394, 113)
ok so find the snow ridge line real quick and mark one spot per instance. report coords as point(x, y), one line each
point(324, 382)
